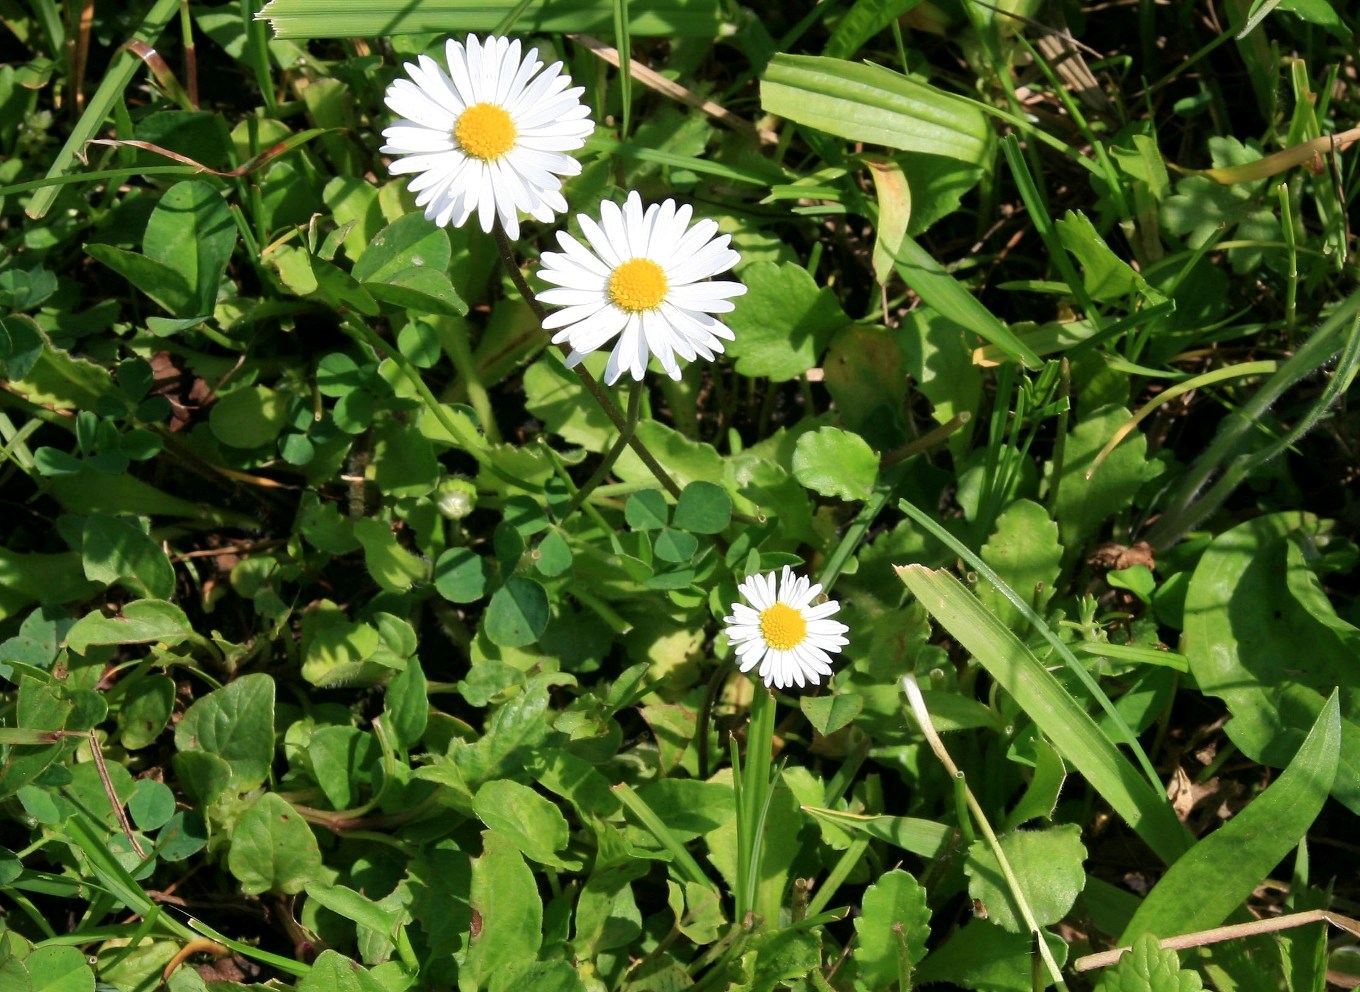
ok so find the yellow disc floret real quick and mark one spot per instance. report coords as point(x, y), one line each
point(638, 284)
point(783, 627)
point(485, 131)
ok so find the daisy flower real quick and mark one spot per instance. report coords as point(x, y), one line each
point(490, 134)
point(786, 637)
point(641, 278)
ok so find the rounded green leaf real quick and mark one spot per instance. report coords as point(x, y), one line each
point(273, 849)
point(1048, 866)
point(517, 614)
point(675, 545)
point(646, 510)
point(59, 969)
point(703, 508)
point(532, 823)
point(235, 724)
point(836, 463)
point(152, 804)
point(460, 575)
point(553, 555)
point(248, 418)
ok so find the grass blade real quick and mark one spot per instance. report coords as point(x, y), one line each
point(368, 18)
point(1226, 867)
point(1061, 719)
point(115, 81)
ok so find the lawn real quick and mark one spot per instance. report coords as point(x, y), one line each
point(641, 495)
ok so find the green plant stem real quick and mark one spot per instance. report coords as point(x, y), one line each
point(116, 79)
point(454, 338)
point(610, 408)
point(361, 332)
point(607, 463)
point(755, 793)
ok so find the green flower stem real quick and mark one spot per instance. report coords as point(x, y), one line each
point(361, 332)
point(454, 340)
point(602, 470)
point(592, 385)
point(754, 800)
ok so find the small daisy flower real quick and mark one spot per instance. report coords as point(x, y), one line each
point(786, 637)
point(641, 278)
point(490, 134)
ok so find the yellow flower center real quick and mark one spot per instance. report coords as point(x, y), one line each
point(783, 627)
point(485, 131)
point(638, 284)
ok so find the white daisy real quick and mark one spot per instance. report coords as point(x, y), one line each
point(786, 637)
point(641, 279)
point(489, 135)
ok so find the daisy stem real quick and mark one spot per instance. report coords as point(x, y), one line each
point(474, 446)
point(592, 384)
point(602, 470)
point(453, 336)
point(755, 794)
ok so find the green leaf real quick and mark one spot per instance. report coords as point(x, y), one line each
point(830, 713)
point(460, 575)
point(1048, 866)
point(391, 566)
point(114, 550)
point(540, 976)
point(893, 926)
point(534, 825)
point(646, 510)
point(945, 294)
point(1083, 504)
point(147, 704)
point(248, 418)
point(1146, 967)
point(160, 282)
point(1223, 869)
point(517, 614)
point(236, 724)
point(862, 21)
point(1105, 275)
point(404, 463)
point(864, 373)
point(372, 18)
point(1023, 550)
point(1244, 630)
point(703, 508)
point(894, 212)
point(836, 463)
point(21, 345)
point(333, 972)
point(192, 233)
point(351, 905)
point(505, 897)
point(273, 849)
point(553, 555)
point(420, 290)
point(152, 804)
point(407, 705)
point(409, 241)
point(1047, 702)
point(783, 322)
point(675, 545)
point(59, 969)
point(141, 621)
point(868, 103)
